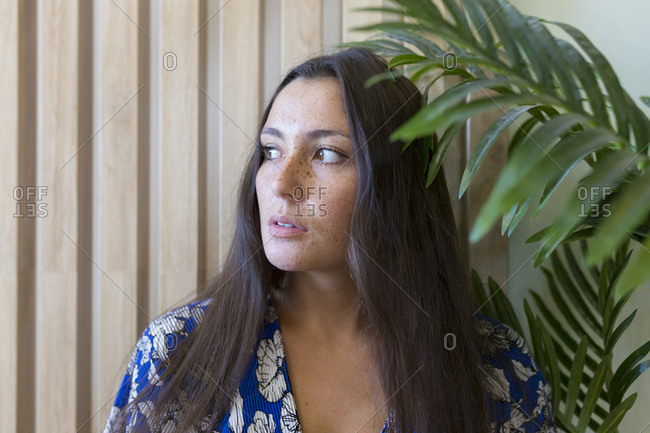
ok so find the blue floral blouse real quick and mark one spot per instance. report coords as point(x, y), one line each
point(264, 402)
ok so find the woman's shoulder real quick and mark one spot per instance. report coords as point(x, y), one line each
point(515, 382)
point(165, 331)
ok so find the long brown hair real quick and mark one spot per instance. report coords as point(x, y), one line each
point(403, 257)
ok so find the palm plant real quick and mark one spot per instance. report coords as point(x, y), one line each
point(581, 400)
point(566, 109)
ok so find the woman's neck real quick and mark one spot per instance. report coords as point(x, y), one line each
point(318, 303)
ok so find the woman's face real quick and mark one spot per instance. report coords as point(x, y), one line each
point(306, 186)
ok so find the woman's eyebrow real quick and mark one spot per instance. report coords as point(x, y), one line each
point(322, 133)
point(311, 135)
point(272, 131)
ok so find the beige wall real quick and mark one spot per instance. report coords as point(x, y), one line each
point(127, 123)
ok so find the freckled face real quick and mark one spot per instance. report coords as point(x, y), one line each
point(306, 186)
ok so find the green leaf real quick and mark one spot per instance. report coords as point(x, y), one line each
point(616, 415)
point(436, 116)
point(485, 143)
point(575, 379)
point(407, 59)
point(608, 76)
point(480, 22)
point(614, 280)
point(529, 161)
point(620, 329)
point(529, 45)
point(450, 98)
point(556, 60)
point(627, 211)
point(593, 393)
point(570, 289)
point(585, 287)
point(637, 271)
point(507, 218)
point(535, 337)
point(567, 313)
point(572, 212)
point(441, 149)
point(459, 17)
point(521, 211)
point(624, 369)
point(585, 73)
point(579, 235)
point(382, 47)
point(426, 46)
point(615, 311)
point(630, 377)
point(640, 125)
point(554, 324)
point(388, 75)
point(551, 359)
point(484, 305)
point(505, 34)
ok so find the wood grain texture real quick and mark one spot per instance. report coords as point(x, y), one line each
point(56, 290)
point(179, 158)
point(301, 31)
point(353, 18)
point(26, 251)
point(8, 203)
point(118, 201)
point(240, 104)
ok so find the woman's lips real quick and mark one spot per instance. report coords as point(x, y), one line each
point(283, 226)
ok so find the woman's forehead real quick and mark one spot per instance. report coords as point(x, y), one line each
point(312, 104)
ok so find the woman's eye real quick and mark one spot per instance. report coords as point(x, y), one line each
point(329, 156)
point(270, 152)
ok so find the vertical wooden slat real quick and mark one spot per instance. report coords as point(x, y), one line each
point(118, 198)
point(205, 8)
point(8, 222)
point(239, 101)
point(85, 186)
point(210, 77)
point(179, 208)
point(353, 18)
point(26, 251)
point(301, 31)
point(144, 226)
point(56, 304)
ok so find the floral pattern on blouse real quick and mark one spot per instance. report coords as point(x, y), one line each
point(264, 402)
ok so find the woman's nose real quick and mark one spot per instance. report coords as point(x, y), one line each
point(288, 180)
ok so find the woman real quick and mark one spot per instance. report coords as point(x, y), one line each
point(343, 304)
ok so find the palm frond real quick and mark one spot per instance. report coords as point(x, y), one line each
point(563, 99)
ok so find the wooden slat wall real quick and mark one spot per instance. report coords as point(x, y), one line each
point(115, 152)
point(301, 31)
point(56, 255)
point(9, 92)
point(239, 100)
point(137, 118)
